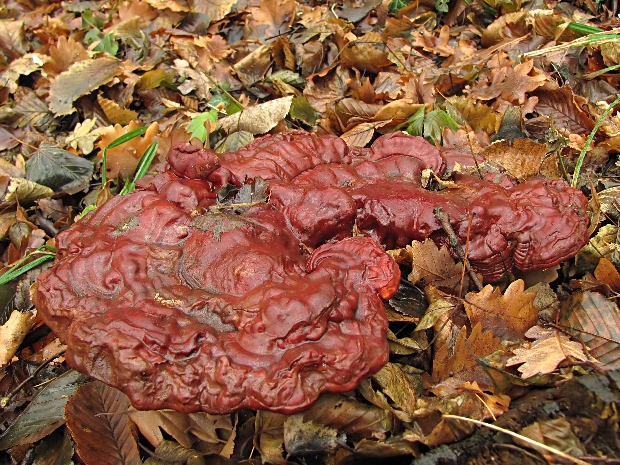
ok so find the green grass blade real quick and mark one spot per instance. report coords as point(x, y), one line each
point(115, 143)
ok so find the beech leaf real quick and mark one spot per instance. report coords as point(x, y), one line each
point(80, 79)
point(258, 119)
point(58, 169)
point(45, 413)
point(96, 415)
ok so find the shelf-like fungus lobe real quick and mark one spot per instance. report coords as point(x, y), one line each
point(185, 309)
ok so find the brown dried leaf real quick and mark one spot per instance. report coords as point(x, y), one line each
point(80, 79)
point(115, 113)
point(508, 26)
point(172, 5)
point(123, 160)
point(306, 437)
point(96, 415)
point(433, 265)
point(510, 83)
point(545, 354)
point(258, 119)
point(610, 52)
point(595, 320)
point(439, 45)
point(566, 109)
point(271, 18)
point(368, 53)
point(556, 433)
point(509, 315)
point(361, 134)
point(478, 116)
point(30, 109)
point(23, 66)
point(457, 364)
point(523, 158)
point(607, 273)
point(269, 438)
point(13, 190)
point(349, 108)
point(344, 413)
point(12, 333)
point(216, 9)
point(13, 38)
point(64, 54)
point(396, 384)
point(252, 67)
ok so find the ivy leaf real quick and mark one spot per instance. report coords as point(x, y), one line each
point(197, 127)
point(441, 6)
point(58, 169)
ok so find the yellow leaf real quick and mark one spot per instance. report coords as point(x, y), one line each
point(12, 334)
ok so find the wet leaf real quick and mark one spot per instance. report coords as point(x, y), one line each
point(45, 413)
point(58, 169)
point(170, 452)
point(97, 416)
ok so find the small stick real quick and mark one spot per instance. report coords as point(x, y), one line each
point(5, 400)
point(444, 220)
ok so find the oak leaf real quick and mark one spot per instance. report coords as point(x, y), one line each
point(23, 66)
point(83, 136)
point(271, 18)
point(433, 265)
point(546, 353)
point(65, 53)
point(510, 83)
point(509, 315)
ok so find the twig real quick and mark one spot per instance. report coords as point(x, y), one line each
point(520, 437)
point(5, 400)
point(444, 220)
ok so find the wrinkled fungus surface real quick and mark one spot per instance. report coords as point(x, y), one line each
point(189, 309)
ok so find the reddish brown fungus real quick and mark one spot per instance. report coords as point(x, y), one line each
point(194, 310)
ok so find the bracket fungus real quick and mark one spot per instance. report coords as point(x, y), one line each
point(189, 307)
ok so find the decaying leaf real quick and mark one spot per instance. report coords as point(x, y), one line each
point(433, 265)
point(97, 416)
point(13, 190)
point(258, 119)
point(545, 354)
point(509, 315)
point(269, 438)
point(595, 320)
point(306, 437)
point(556, 433)
point(58, 169)
point(45, 413)
point(12, 334)
point(25, 65)
point(80, 79)
point(83, 136)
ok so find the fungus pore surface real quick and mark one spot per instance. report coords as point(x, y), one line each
point(185, 307)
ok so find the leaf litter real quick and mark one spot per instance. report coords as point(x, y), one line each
point(354, 70)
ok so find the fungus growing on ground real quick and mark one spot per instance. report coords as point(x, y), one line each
point(187, 308)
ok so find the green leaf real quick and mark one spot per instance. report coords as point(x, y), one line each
point(45, 413)
point(415, 124)
point(302, 110)
point(434, 122)
point(58, 169)
point(442, 6)
point(108, 44)
point(396, 5)
point(289, 77)
point(197, 127)
point(234, 141)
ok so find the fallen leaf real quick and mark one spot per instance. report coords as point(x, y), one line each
point(80, 79)
point(269, 439)
point(433, 265)
point(509, 315)
point(546, 353)
point(23, 66)
point(556, 433)
point(12, 333)
point(258, 119)
point(58, 169)
point(566, 109)
point(83, 136)
point(96, 415)
point(510, 83)
point(306, 437)
point(271, 18)
point(607, 273)
point(14, 190)
point(361, 134)
point(44, 413)
point(115, 113)
point(523, 159)
point(368, 53)
point(595, 321)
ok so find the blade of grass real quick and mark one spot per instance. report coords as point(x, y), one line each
point(22, 267)
point(115, 143)
point(143, 165)
point(596, 38)
point(582, 155)
point(559, 453)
